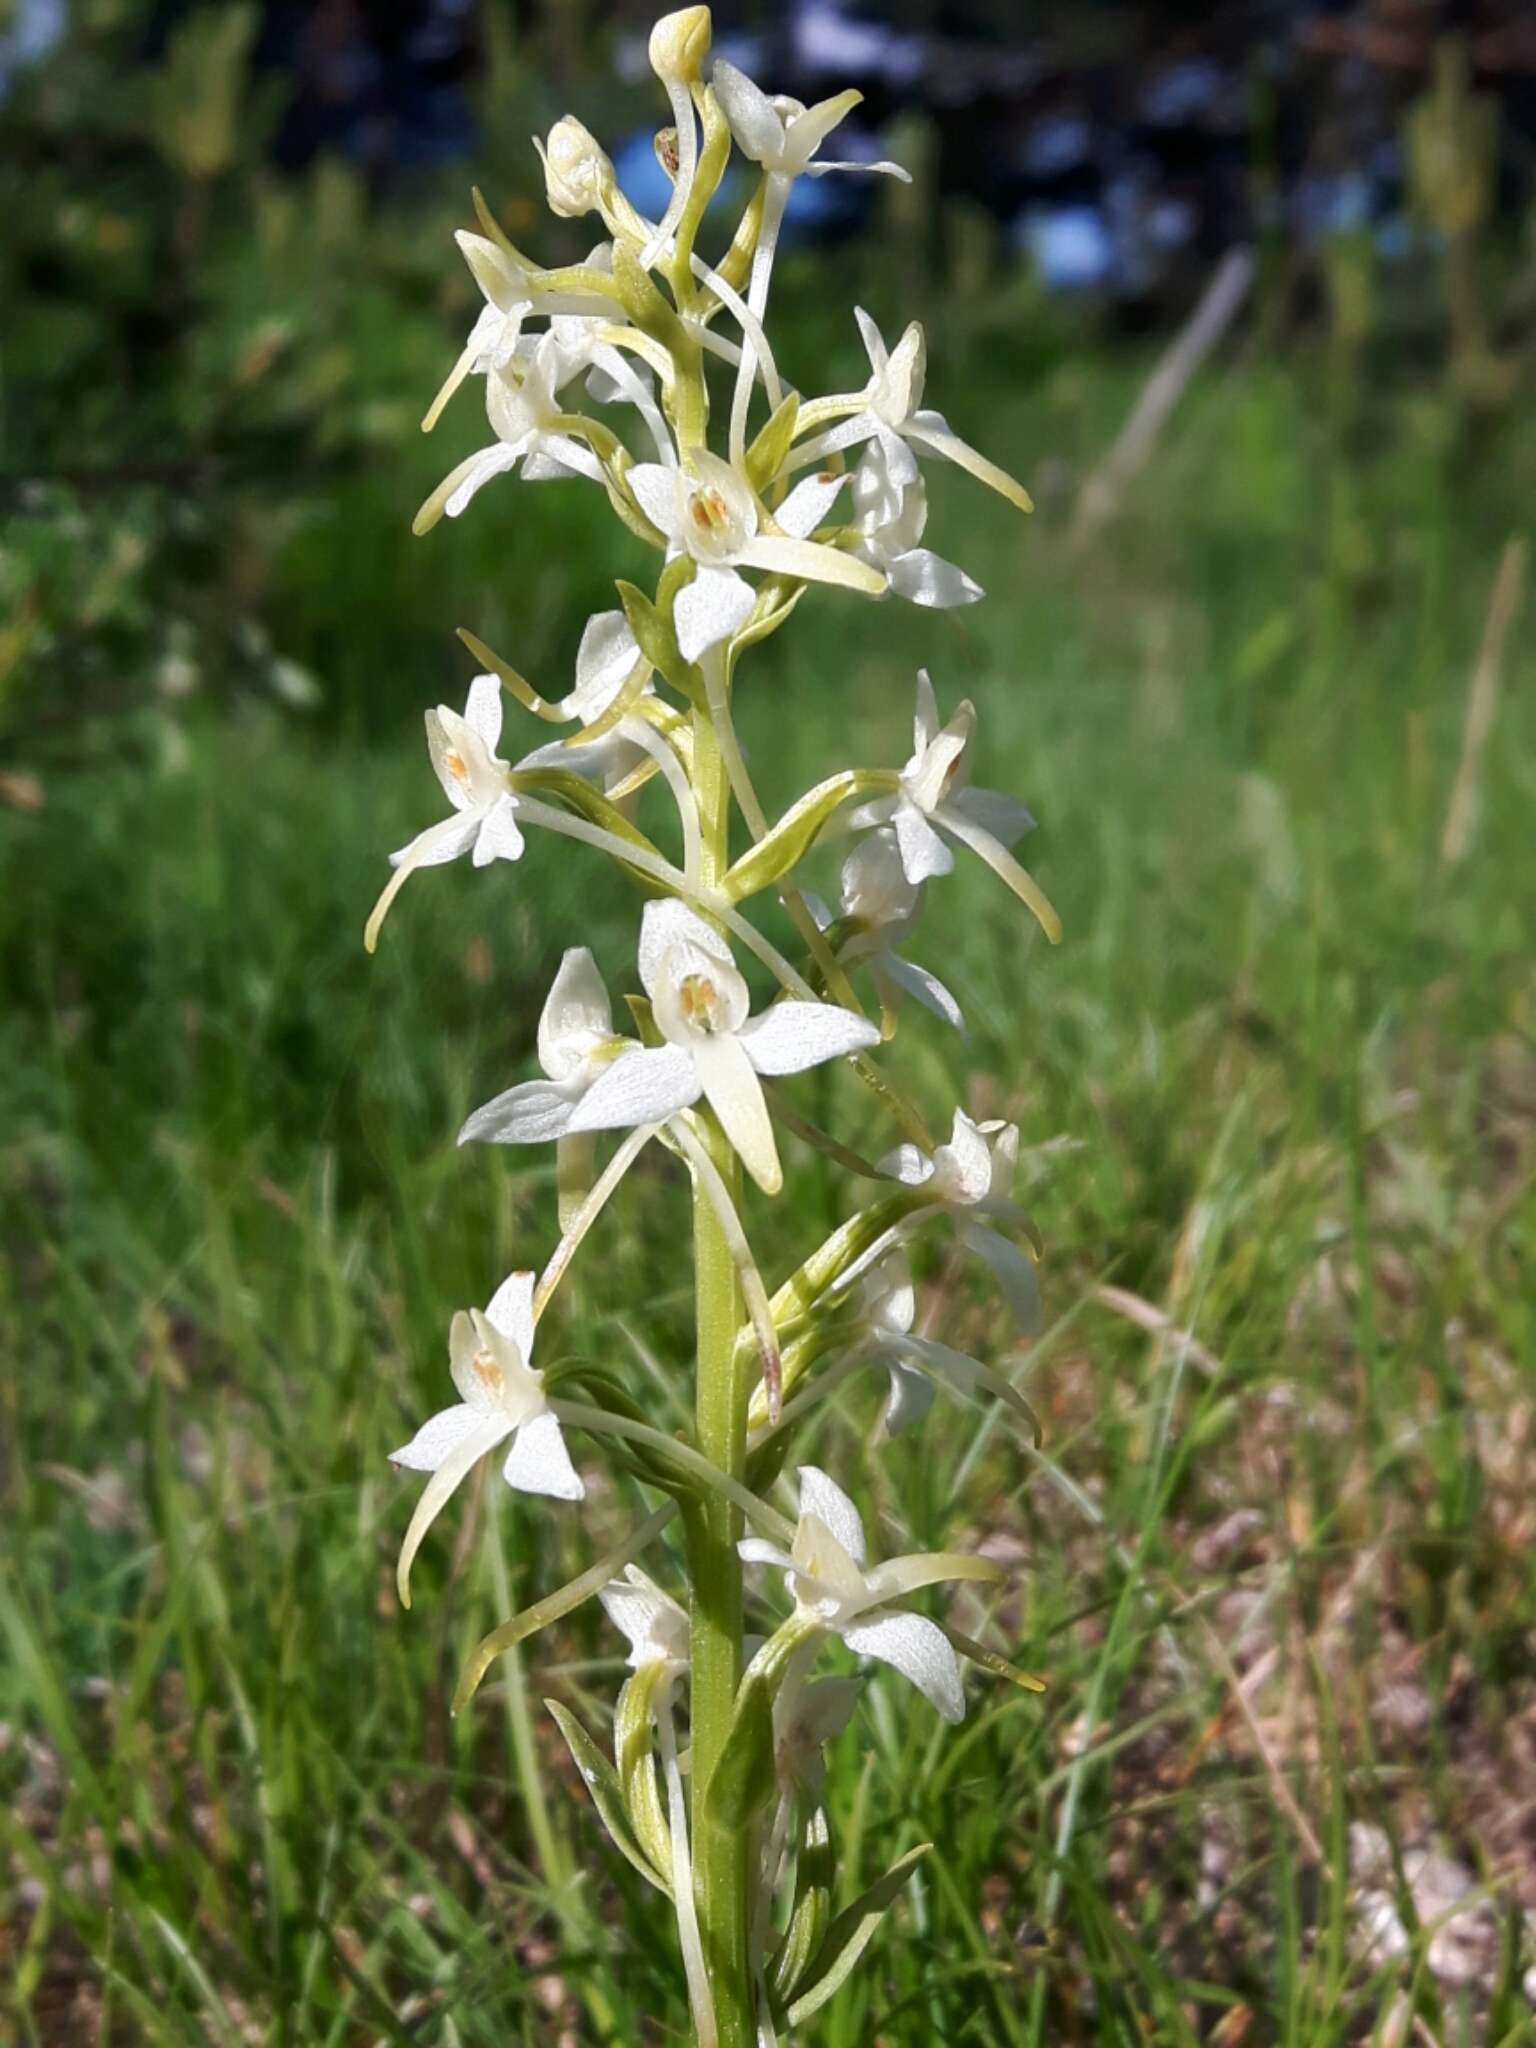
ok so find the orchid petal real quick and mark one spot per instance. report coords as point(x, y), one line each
point(932, 431)
point(754, 120)
point(482, 710)
point(808, 504)
point(654, 488)
point(923, 987)
point(575, 1012)
point(510, 1310)
point(645, 1085)
point(919, 1650)
point(724, 1069)
point(792, 1036)
point(440, 1436)
point(826, 1500)
point(923, 852)
point(538, 1461)
point(532, 1113)
point(713, 607)
point(1002, 816)
point(924, 578)
point(811, 562)
point(500, 836)
point(437, 1492)
point(1013, 1270)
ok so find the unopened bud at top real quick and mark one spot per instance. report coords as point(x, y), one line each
point(577, 169)
point(679, 45)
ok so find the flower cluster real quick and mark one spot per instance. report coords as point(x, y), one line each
point(795, 492)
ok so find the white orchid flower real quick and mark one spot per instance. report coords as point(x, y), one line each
point(484, 821)
point(606, 660)
point(654, 1625)
point(877, 896)
point(713, 515)
point(825, 1571)
point(971, 1177)
point(892, 411)
point(713, 1048)
point(489, 1355)
point(806, 1717)
point(782, 134)
point(508, 288)
point(890, 1310)
point(576, 1040)
point(933, 799)
point(522, 404)
point(890, 508)
point(577, 169)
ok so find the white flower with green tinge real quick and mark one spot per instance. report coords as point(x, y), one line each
point(713, 1048)
point(933, 797)
point(655, 1627)
point(890, 511)
point(882, 906)
point(508, 286)
point(806, 1717)
point(712, 514)
point(970, 1177)
point(484, 820)
point(576, 1040)
point(502, 1397)
point(782, 134)
point(890, 1310)
point(834, 1589)
point(605, 661)
point(522, 404)
point(892, 412)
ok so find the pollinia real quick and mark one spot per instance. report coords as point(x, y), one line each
point(713, 1788)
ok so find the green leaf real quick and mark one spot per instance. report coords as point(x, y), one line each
point(849, 1935)
point(815, 1868)
point(634, 1754)
point(774, 855)
point(602, 1781)
point(742, 1782)
point(652, 627)
point(765, 457)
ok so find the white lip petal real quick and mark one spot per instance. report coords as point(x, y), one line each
point(826, 1500)
point(808, 504)
point(538, 1461)
point(735, 1094)
point(668, 922)
point(532, 1113)
point(482, 710)
point(643, 1086)
point(441, 1435)
point(713, 607)
point(792, 1036)
point(510, 1310)
point(576, 1011)
point(923, 852)
point(919, 1650)
point(811, 562)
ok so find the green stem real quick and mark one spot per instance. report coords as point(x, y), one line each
point(713, 1526)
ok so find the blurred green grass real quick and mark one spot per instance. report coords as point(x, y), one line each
point(1278, 1084)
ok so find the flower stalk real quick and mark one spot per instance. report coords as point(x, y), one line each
point(699, 1071)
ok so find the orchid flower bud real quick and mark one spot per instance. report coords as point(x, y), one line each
point(578, 171)
point(679, 44)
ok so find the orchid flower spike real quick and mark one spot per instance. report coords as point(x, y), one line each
point(890, 1310)
point(933, 800)
point(713, 1048)
point(890, 508)
point(484, 821)
point(523, 407)
point(508, 286)
point(833, 1589)
point(502, 1396)
point(971, 1177)
point(892, 411)
point(576, 1042)
point(883, 906)
point(655, 1626)
point(713, 515)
